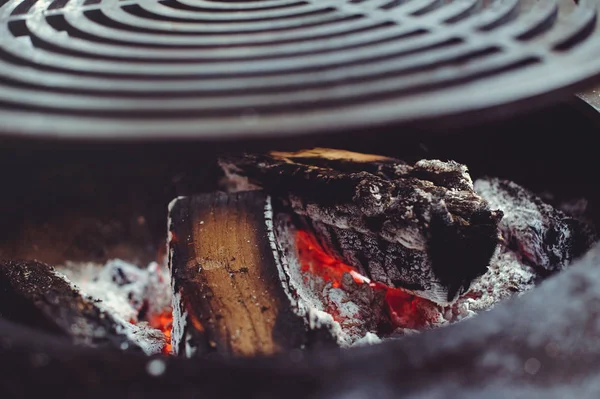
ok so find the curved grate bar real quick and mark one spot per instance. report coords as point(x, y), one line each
point(164, 69)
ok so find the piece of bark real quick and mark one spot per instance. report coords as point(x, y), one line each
point(546, 237)
point(33, 294)
point(419, 227)
point(228, 293)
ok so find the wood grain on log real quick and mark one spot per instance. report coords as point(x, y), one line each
point(229, 296)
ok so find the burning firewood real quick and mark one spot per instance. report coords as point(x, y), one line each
point(420, 227)
point(228, 292)
point(32, 293)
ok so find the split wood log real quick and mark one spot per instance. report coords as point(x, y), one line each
point(229, 296)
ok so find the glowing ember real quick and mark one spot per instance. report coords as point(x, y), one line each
point(404, 309)
point(164, 323)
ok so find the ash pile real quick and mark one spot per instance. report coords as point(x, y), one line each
point(114, 306)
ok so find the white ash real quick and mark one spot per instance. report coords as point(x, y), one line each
point(305, 303)
point(169, 252)
point(190, 350)
point(318, 319)
point(545, 236)
point(151, 340)
point(507, 276)
point(315, 299)
point(179, 316)
point(368, 339)
point(121, 286)
point(123, 290)
point(179, 322)
point(283, 268)
point(437, 167)
point(302, 292)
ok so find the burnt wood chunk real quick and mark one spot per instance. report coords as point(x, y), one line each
point(420, 227)
point(31, 293)
point(228, 295)
point(546, 237)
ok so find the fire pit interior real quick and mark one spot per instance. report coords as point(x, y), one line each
point(298, 199)
point(100, 218)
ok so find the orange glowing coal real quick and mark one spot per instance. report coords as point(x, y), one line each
point(163, 322)
point(404, 309)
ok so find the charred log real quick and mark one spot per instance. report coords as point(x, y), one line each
point(419, 227)
point(229, 297)
point(31, 293)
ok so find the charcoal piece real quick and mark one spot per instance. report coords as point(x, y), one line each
point(33, 294)
point(420, 227)
point(543, 235)
point(228, 294)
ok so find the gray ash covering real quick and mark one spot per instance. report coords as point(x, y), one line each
point(33, 293)
point(419, 227)
point(547, 238)
point(357, 308)
point(130, 295)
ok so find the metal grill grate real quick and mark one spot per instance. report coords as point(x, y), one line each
point(218, 68)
